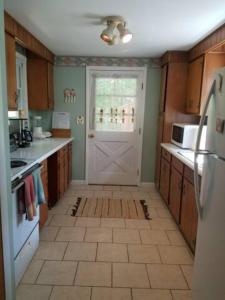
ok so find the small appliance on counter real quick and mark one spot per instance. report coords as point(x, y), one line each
point(38, 132)
point(21, 138)
point(185, 135)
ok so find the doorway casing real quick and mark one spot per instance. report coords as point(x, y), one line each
point(140, 125)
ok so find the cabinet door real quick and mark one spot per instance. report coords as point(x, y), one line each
point(66, 163)
point(37, 80)
point(165, 180)
point(62, 172)
point(50, 86)
point(194, 85)
point(11, 70)
point(175, 193)
point(69, 162)
point(163, 88)
point(189, 215)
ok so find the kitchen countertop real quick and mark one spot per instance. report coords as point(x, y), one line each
point(184, 155)
point(36, 153)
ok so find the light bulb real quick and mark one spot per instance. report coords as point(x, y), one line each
point(125, 34)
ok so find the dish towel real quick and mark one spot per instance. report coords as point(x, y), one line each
point(29, 197)
point(38, 185)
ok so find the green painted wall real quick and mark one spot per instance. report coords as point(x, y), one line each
point(74, 77)
point(46, 119)
point(150, 124)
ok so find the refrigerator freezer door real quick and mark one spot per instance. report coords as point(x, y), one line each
point(215, 140)
point(209, 269)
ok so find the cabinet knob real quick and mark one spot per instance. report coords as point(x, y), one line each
point(91, 136)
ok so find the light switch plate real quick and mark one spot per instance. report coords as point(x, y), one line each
point(80, 120)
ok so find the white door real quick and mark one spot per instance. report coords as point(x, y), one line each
point(115, 110)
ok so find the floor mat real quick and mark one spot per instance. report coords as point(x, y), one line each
point(111, 208)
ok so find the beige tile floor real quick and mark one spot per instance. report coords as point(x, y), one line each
point(109, 259)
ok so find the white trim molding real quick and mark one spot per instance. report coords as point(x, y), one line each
point(140, 121)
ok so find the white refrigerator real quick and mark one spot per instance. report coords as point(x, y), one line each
point(209, 267)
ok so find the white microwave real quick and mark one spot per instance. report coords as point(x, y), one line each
point(184, 135)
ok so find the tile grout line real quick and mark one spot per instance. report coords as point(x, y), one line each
point(128, 256)
point(59, 228)
point(131, 293)
point(96, 253)
point(161, 260)
point(49, 297)
point(75, 275)
point(65, 251)
point(189, 288)
point(35, 282)
point(91, 294)
point(148, 275)
point(112, 269)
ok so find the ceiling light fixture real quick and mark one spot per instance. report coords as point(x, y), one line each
point(125, 34)
point(116, 31)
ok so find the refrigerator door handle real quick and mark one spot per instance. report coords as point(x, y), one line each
point(198, 151)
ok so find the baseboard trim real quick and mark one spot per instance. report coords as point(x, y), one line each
point(74, 181)
point(147, 184)
point(144, 184)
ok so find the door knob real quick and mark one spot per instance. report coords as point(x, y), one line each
point(91, 135)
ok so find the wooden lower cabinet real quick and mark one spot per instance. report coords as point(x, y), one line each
point(70, 163)
point(10, 48)
point(44, 207)
point(177, 190)
point(60, 169)
point(189, 215)
point(165, 180)
point(175, 193)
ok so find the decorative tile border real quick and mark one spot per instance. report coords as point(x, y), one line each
point(82, 61)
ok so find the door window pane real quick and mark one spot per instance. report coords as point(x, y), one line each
point(115, 104)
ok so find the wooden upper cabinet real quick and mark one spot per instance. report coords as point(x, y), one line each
point(163, 88)
point(50, 86)
point(40, 83)
point(10, 24)
point(213, 61)
point(26, 39)
point(22, 35)
point(194, 85)
point(11, 70)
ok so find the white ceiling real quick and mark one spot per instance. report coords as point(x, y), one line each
point(72, 27)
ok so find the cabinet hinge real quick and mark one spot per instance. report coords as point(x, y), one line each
point(139, 131)
point(138, 172)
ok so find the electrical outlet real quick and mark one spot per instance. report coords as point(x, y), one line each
point(80, 120)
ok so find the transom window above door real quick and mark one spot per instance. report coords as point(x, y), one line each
point(115, 104)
